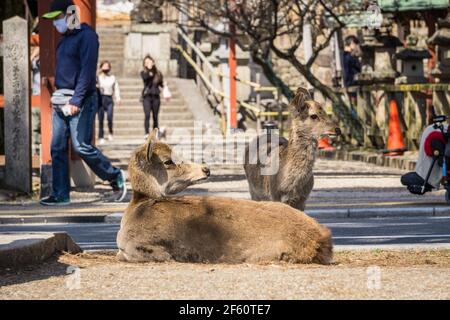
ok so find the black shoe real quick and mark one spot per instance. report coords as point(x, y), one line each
point(54, 201)
point(120, 186)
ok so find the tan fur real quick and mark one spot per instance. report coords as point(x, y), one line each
point(294, 180)
point(220, 230)
point(154, 173)
point(211, 229)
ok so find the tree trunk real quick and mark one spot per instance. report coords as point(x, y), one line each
point(272, 76)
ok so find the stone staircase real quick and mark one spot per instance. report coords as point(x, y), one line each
point(112, 46)
point(176, 117)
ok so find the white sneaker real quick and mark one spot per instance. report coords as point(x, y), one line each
point(101, 142)
point(110, 137)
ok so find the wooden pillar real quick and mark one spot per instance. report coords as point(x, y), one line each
point(431, 25)
point(88, 9)
point(81, 174)
point(47, 43)
point(48, 40)
point(233, 91)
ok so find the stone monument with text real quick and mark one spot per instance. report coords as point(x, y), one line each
point(16, 75)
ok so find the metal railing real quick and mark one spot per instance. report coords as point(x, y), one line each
point(215, 77)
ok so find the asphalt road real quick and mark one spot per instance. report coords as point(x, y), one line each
point(347, 233)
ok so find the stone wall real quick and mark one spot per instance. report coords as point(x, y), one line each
point(322, 69)
point(153, 39)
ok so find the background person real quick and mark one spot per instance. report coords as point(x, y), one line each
point(151, 100)
point(351, 64)
point(109, 90)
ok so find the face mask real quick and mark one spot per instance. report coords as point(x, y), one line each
point(61, 25)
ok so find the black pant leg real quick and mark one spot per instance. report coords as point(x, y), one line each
point(147, 103)
point(156, 103)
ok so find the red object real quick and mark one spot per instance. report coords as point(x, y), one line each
point(232, 64)
point(88, 10)
point(324, 144)
point(47, 43)
point(34, 40)
point(395, 146)
point(435, 135)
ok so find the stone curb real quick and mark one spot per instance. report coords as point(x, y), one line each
point(358, 213)
point(36, 247)
point(354, 213)
point(331, 213)
point(85, 218)
point(370, 157)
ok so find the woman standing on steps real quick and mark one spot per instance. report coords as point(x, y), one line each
point(153, 82)
point(109, 88)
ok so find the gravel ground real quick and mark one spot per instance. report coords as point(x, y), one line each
point(355, 275)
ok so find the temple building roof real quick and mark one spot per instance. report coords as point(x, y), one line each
point(412, 5)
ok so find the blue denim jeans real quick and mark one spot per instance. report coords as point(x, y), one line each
point(80, 129)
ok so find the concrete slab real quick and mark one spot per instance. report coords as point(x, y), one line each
point(21, 249)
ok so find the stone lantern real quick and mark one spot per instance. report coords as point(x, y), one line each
point(365, 77)
point(385, 49)
point(441, 38)
point(412, 62)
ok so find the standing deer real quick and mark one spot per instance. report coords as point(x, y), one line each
point(293, 179)
point(158, 227)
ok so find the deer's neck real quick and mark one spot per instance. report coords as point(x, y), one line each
point(300, 155)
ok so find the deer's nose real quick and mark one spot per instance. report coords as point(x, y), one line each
point(338, 131)
point(206, 171)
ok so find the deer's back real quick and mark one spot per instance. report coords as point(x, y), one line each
point(211, 229)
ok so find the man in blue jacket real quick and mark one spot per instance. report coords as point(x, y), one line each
point(76, 65)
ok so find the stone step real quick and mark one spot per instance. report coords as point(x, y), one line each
point(136, 93)
point(128, 101)
point(110, 33)
point(140, 116)
point(162, 122)
point(113, 46)
point(111, 53)
point(135, 131)
point(126, 109)
point(132, 106)
point(111, 41)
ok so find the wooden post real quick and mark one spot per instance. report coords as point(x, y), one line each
point(258, 104)
point(233, 92)
point(47, 44)
point(81, 174)
point(88, 9)
point(16, 72)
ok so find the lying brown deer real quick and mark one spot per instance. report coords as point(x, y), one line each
point(208, 229)
point(286, 174)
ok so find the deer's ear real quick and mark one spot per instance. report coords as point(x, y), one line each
point(152, 139)
point(299, 102)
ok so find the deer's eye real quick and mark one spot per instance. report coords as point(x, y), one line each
point(168, 162)
point(314, 117)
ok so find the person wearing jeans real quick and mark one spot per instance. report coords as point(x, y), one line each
point(76, 66)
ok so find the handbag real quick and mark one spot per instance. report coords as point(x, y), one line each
point(167, 95)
